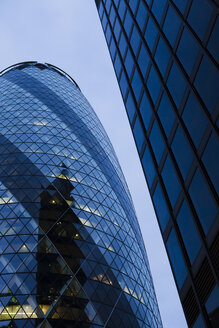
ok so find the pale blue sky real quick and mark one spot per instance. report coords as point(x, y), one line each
point(68, 34)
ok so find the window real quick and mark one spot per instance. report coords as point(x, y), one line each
point(212, 305)
point(112, 48)
point(176, 259)
point(108, 34)
point(150, 33)
point(158, 8)
point(141, 15)
point(157, 142)
point(162, 56)
point(176, 84)
point(170, 181)
point(135, 40)
point(129, 63)
point(136, 84)
point(210, 159)
point(188, 232)
point(182, 152)
point(123, 84)
point(143, 60)
point(161, 207)
point(130, 106)
point(117, 65)
point(171, 25)
point(153, 84)
point(202, 200)
point(128, 23)
point(199, 16)
point(213, 42)
point(187, 51)
point(133, 5)
point(194, 116)
point(145, 110)
point(207, 76)
point(181, 4)
point(122, 7)
point(148, 167)
point(138, 134)
point(117, 29)
point(112, 15)
point(122, 45)
point(166, 114)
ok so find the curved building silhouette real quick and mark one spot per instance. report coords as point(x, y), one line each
point(72, 253)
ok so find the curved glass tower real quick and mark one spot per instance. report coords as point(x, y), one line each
point(72, 253)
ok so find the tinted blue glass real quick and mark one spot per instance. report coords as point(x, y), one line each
point(199, 16)
point(117, 65)
point(150, 33)
point(135, 40)
point(210, 159)
point(104, 21)
point(136, 84)
point(112, 48)
point(187, 50)
point(199, 323)
point(176, 84)
point(161, 207)
point(207, 76)
point(213, 42)
point(189, 232)
point(122, 44)
point(138, 134)
point(181, 4)
point(194, 116)
point(129, 63)
point(128, 22)
point(130, 106)
point(153, 84)
point(148, 166)
point(145, 110)
point(143, 60)
point(162, 56)
point(171, 25)
point(122, 7)
point(112, 15)
point(166, 114)
point(123, 84)
point(182, 152)
point(176, 259)
point(202, 200)
point(170, 181)
point(108, 34)
point(133, 5)
point(157, 142)
point(141, 15)
point(213, 300)
point(158, 9)
point(117, 29)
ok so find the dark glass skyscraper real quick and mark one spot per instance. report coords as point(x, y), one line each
point(165, 55)
point(71, 251)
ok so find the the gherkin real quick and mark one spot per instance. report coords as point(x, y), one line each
point(72, 253)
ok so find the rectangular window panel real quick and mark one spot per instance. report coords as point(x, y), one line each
point(138, 134)
point(170, 181)
point(208, 76)
point(122, 45)
point(182, 152)
point(128, 23)
point(143, 60)
point(135, 40)
point(130, 106)
point(202, 200)
point(150, 33)
point(187, 50)
point(153, 84)
point(148, 166)
point(166, 114)
point(162, 56)
point(176, 259)
point(188, 232)
point(123, 85)
point(193, 116)
point(171, 25)
point(141, 15)
point(157, 142)
point(145, 110)
point(136, 84)
point(161, 207)
point(210, 159)
point(176, 84)
point(199, 16)
point(129, 63)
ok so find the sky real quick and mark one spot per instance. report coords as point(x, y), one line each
point(68, 34)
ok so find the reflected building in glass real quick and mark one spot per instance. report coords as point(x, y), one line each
point(72, 253)
point(165, 55)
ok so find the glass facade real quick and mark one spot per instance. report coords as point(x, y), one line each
point(71, 251)
point(169, 78)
